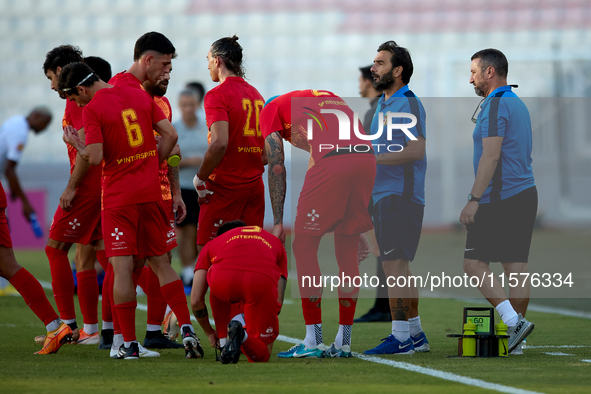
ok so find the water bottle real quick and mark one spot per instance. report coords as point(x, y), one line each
point(35, 225)
point(501, 329)
point(469, 340)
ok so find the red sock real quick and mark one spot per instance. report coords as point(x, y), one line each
point(88, 296)
point(140, 278)
point(103, 260)
point(156, 301)
point(34, 295)
point(62, 282)
point(346, 253)
point(107, 314)
point(114, 315)
point(255, 350)
point(305, 249)
point(174, 294)
point(126, 315)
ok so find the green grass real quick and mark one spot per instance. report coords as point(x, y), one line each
point(87, 369)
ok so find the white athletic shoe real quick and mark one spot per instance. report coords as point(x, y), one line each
point(147, 353)
point(117, 342)
point(519, 332)
point(517, 351)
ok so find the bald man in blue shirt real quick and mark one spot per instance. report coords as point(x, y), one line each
point(502, 205)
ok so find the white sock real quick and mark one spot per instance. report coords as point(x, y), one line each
point(223, 341)
point(117, 341)
point(313, 335)
point(90, 328)
point(54, 325)
point(128, 344)
point(107, 325)
point(239, 318)
point(69, 321)
point(400, 330)
point(245, 337)
point(188, 325)
point(414, 325)
point(508, 314)
point(152, 327)
point(343, 336)
point(188, 273)
point(167, 310)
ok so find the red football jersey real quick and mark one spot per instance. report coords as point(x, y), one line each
point(290, 118)
point(245, 249)
point(2, 197)
point(128, 79)
point(239, 104)
point(122, 119)
point(90, 185)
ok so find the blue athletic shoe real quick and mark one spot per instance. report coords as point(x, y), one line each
point(420, 343)
point(391, 345)
point(301, 351)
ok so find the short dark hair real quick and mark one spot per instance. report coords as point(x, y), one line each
point(400, 57)
point(495, 58)
point(61, 56)
point(73, 75)
point(366, 73)
point(153, 41)
point(100, 66)
point(198, 87)
point(230, 51)
point(230, 226)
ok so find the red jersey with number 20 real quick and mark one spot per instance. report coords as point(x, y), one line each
point(239, 104)
point(122, 119)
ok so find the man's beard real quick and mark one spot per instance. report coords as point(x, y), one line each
point(385, 82)
point(479, 91)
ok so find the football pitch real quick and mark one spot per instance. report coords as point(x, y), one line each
point(557, 358)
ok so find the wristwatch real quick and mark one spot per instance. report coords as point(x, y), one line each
point(472, 198)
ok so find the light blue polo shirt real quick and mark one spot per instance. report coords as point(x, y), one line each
point(407, 180)
point(504, 115)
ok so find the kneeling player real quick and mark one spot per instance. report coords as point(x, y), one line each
point(248, 265)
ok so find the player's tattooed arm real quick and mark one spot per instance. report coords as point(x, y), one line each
point(277, 179)
point(281, 286)
point(201, 313)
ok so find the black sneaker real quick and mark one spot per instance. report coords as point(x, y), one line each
point(129, 353)
point(372, 316)
point(231, 351)
point(157, 340)
point(191, 343)
point(106, 339)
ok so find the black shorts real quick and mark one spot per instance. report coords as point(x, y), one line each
point(502, 230)
point(190, 199)
point(398, 222)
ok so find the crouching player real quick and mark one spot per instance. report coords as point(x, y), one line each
point(248, 265)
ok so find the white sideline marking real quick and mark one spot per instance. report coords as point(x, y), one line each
point(587, 361)
point(410, 367)
point(555, 347)
point(558, 354)
point(397, 364)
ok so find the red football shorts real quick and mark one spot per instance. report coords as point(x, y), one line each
point(171, 232)
point(5, 239)
point(335, 196)
point(136, 230)
point(258, 294)
point(80, 225)
point(246, 204)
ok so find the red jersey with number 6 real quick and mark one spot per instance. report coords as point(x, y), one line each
point(122, 119)
point(239, 104)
